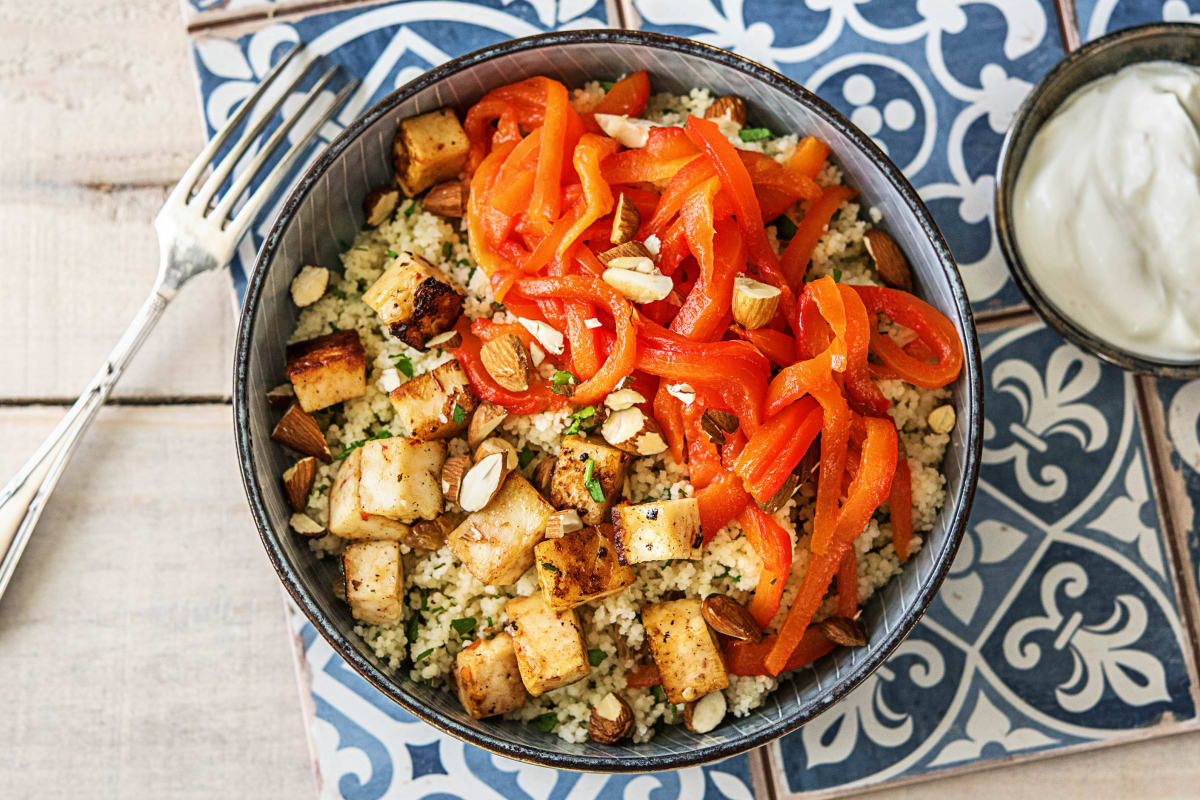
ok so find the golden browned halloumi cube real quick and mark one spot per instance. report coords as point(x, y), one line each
point(495, 544)
point(568, 487)
point(327, 369)
point(657, 531)
point(374, 581)
point(400, 478)
point(429, 148)
point(580, 566)
point(415, 299)
point(435, 405)
point(685, 650)
point(549, 644)
point(487, 677)
point(346, 517)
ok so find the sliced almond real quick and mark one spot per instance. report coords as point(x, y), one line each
point(563, 522)
point(683, 392)
point(281, 396)
point(844, 631)
point(542, 474)
point(536, 354)
point(507, 361)
point(638, 286)
point(445, 341)
point(379, 205)
point(780, 499)
point(728, 616)
point(305, 525)
point(626, 220)
point(549, 338)
point(298, 482)
point(640, 264)
point(452, 476)
point(487, 418)
point(633, 431)
point(890, 262)
point(941, 419)
point(625, 250)
point(654, 245)
point(629, 131)
point(309, 286)
point(728, 106)
point(754, 302)
point(448, 199)
point(298, 430)
point(611, 720)
point(497, 445)
point(481, 482)
point(624, 398)
point(705, 714)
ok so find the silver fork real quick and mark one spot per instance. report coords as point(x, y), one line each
point(197, 232)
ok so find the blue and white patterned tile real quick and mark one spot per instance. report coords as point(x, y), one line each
point(384, 46)
point(934, 82)
point(1098, 17)
point(1180, 402)
point(1058, 624)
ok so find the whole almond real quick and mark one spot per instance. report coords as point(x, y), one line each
point(495, 444)
point(298, 430)
point(507, 361)
point(611, 720)
point(487, 418)
point(728, 616)
point(445, 341)
point(379, 205)
point(542, 474)
point(452, 474)
point(728, 106)
point(448, 199)
point(281, 396)
point(298, 482)
point(754, 302)
point(782, 495)
point(843, 631)
point(890, 263)
point(638, 286)
point(625, 250)
point(626, 220)
point(701, 716)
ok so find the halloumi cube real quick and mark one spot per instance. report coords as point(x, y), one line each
point(657, 531)
point(429, 148)
point(549, 644)
point(685, 650)
point(400, 478)
point(580, 566)
point(487, 677)
point(567, 486)
point(374, 581)
point(426, 405)
point(415, 299)
point(496, 543)
point(346, 517)
point(327, 370)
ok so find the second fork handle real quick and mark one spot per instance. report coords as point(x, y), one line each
point(24, 497)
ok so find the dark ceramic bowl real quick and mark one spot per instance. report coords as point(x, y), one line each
point(320, 219)
point(1156, 42)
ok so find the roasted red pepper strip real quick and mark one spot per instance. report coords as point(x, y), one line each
point(707, 309)
point(777, 447)
point(544, 202)
point(777, 346)
point(750, 658)
point(719, 502)
point(690, 177)
point(627, 96)
point(868, 490)
point(847, 585)
point(774, 547)
point(538, 398)
point(668, 412)
point(480, 216)
point(704, 460)
point(864, 396)
point(934, 330)
point(814, 224)
point(900, 505)
point(597, 195)
point(808, 159)
point(642, 676)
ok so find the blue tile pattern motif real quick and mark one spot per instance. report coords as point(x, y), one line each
point(1058, 623)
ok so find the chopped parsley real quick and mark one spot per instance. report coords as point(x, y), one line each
point(563, 383)
point(446, 249)
point(470, 274)
point(583, 419)
point(545, 722)
point(596, 657)
point(410, 630)
point(459, 414)
point(403, 364)
point(392, 254)
point(607, 85)
point(463, 626)
point(526, 457)
point(423, 656)
point(546, 565)
point(408, 212)
point(754, 134)
point(837, 275)
point(338, 293)
point(350, 448)
point(659, 694)
point(591, 482)
point(498, 306)
point(489, 622)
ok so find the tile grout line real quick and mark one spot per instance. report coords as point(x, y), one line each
point(1154, 437)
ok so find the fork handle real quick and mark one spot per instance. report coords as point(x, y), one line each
point(24, 497)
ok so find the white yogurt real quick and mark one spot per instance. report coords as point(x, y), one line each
point(1106, 209)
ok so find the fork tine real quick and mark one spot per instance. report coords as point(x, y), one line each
point(245, 216)
point(206, 155)
point(221, 171)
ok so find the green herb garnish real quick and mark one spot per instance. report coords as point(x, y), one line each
point(463, 626)
point(583, 419)
point(562, 377)
point(338, 293)
point(607, 85)
point(659, 694)
point(596, 657)
point(754, 134)
point(489, 622)
point(545, 722)
point(410, 630)
point(408, 212)
point(350, 448)
point(459, 414)
point(526, 457)
point(404, 364)
point(498, 306)
point(837, 275)
point(423, 656)
point(590, 481)
point(446, 249)
point(392, 254)
point(546, 565)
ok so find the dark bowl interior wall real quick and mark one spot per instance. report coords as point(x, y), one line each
point(321, 219)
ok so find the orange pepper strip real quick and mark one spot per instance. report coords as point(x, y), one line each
point(749, 658)
point(538, 398)
point(774, 547)
point(514, 183)
point(482, 248)
point(808, 159)
point(547, 248)
point(763, 463)
point(847, 585)
point(900, 504)
point(864, 396)
point(627, 96)
point(933, 328)
point(620, 361)
point(704, 460)
point(816, 221)
point(597, 195)
point(766, 172)
point(868, 490)
point(777, 346)
point(707, 309)
point(690, 177)
point(719, 502)
point(544, 203)
point(698, 226)
point(669, 413)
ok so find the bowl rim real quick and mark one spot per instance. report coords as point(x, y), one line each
point(1050, 313)
point(495, 742)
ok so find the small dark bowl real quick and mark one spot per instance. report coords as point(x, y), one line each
point(321, 217)
point(1156, 42)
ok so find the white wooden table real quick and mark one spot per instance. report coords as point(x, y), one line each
point(143, 651)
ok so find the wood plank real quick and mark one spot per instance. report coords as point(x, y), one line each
point(143, 650)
